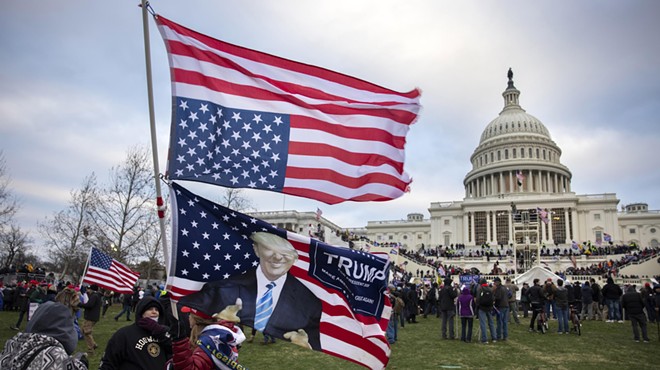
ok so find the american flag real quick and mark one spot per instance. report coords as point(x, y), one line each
point(607, 237)
point(247, 119)
point(520, 177)
point(108, 273)
point(211, 242)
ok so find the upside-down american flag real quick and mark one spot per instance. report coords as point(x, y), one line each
point(247, 119)
point(108, 273)
point(211, 242)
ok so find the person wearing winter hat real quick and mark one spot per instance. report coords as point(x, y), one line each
point(48, 342)
point(214, 338)
point(144, 344)
point(92, 316)
point(647, 297)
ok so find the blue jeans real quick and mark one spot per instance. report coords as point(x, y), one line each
point(613, 309)
point(127, 309)
point(503, 323)
point(485, 315)
point(392, 328)
point(548, 305)
point(562, 319)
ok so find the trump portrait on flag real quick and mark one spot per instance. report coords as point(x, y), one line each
point(293, 287)
point(274, 302)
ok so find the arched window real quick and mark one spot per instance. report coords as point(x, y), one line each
point(506, 153)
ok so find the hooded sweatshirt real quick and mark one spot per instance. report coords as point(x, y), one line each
point(465, 304)
point(48, 342)
point(134, 347)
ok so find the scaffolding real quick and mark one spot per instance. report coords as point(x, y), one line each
point(526, 236)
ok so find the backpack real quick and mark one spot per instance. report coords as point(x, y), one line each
point(486, 297)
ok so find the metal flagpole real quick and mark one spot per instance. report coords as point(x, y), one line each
point(152, 121)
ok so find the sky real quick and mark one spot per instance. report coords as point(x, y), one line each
point(74, 92)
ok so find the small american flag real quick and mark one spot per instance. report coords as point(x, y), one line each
point(211, 242)
point(520, 177)
point(247, 119)
point(109, 273)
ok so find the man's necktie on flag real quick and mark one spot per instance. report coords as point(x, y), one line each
point(264, 308)
point(108, 273)
point(520, 177)
point(211, 242)
point(247, 119)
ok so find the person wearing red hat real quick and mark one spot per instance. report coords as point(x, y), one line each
point(23, 302)
point(214, 338)
point(647, 297)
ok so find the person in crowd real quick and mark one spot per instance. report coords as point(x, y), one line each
point(106, 301)
point(51, 292)
point(549, 290)
point(8, 293)
point(612, 296)
point(577, 293)
point(70, 298)
point(501, 298)
point(144, 344)
point(647, 297)
point(633, 303)
point(587, 300)
point(524, 300)
point(2, 296)
point(513, 302)
point(48, 342)
point(92, 316)
point(23, 302)
point(484, 302)
point(412, 303)
point(397, 308)
point(214, 339)
point(656, 301)
point(466, 310)
point(127, 301)
point(536, 297)
point(561, 303)
point(447, 307)
point(431, 305)
point(597, 299)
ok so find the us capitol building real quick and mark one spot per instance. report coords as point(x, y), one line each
point(518, 193)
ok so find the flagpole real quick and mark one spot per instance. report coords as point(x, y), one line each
point(82, 277)
point(152, 124)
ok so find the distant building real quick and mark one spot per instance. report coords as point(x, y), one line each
point(516, 169)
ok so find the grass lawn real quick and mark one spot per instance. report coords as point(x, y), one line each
point(601, 346)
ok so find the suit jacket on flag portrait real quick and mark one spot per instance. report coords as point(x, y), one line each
point(297, 307)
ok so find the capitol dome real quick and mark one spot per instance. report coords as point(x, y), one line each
point(516, 155)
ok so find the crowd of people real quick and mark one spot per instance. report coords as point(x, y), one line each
point(496, 304)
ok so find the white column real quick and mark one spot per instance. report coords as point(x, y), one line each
point(568, 231)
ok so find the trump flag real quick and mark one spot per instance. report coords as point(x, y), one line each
point(108, 273)
point(247, 119)
point(211, 244)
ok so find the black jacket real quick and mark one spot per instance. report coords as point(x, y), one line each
point(134, 348)
point(536, 295)
point(447, 296)
point(93, 306)
point(632, 302)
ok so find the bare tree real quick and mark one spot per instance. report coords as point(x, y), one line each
point(67, 235)
point(124, 214)
point(8, 202)
point(235, 199)
point(14, 244)
point(150, 248)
